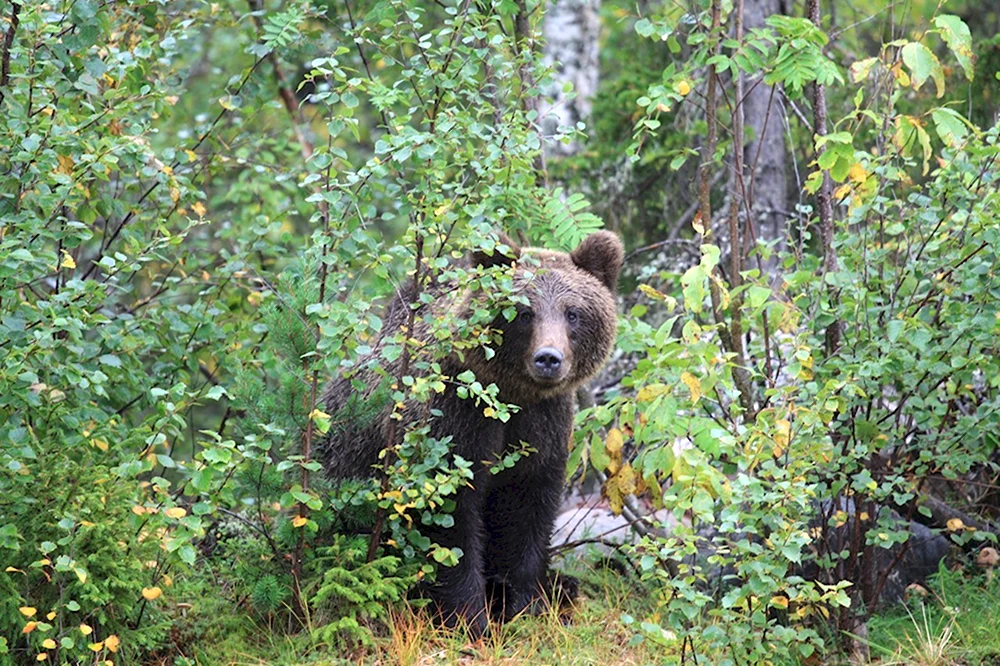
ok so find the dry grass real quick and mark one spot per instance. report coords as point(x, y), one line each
point(926, 643)
point(591, 634)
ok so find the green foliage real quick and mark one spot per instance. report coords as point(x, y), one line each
point(188, 253)
point(766, 451)
point(354, 592)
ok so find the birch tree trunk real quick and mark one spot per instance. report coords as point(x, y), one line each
point(571, 30)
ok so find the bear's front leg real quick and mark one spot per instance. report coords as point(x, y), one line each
point(459, 592)
point(521, 507)
point(519, 518)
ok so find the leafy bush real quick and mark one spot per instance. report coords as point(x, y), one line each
point(793, 429)
point(203, 207)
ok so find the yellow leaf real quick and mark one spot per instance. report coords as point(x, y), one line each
point(112, 642)
point(901, 76)
point(615, 442)
point(955, 524)
point(30, 627)
point(696, 223)
point(42, 656)
point(86, 629)
point(299, 521)
point(191, 155)
point(49, 644)
point(489, 412)
point(779, 601)
point(168, 580)
point(65, 164)
point(96, 647)
point(13, 569)
point(175, 512)
point(81, 574)
point(151, 593)
point(613, 492)
point(652, 293)
point(51, 616)
point(693, 384)
point(199, 208)
point(650, 391)
point(99, 443)
point(626, 479)
point(782, 435)
point(175, 194)
point(682, 88)
point(857, 173)
point(613, 445)
point(67, 261)
point(28, 611)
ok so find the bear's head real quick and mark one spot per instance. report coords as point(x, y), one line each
point(565, 332)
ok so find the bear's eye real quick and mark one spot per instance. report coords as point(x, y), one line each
point(526, 316)
point(572, 316)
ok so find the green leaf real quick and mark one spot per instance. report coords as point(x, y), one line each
point(956, 35)
point(923, 64)
point(894, 328)
point(598, 454)
point(693, 287)
point(644, 27)
point(951, 126)
point(187, 553)
point(215, 392)
point(757, 296)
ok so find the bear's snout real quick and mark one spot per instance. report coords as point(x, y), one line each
point(548, 361)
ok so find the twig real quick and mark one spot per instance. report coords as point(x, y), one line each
point(824, 198)
point(8, 43)
point(288, 98)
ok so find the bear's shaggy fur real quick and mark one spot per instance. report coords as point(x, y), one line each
point(503, 522)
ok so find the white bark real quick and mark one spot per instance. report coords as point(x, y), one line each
point(571, 30)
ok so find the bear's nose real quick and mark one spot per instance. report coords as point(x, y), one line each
point(547, 361)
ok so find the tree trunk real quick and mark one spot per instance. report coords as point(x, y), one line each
point(571, 31)
point(765, 155)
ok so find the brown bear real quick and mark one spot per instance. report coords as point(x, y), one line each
point(503, 521)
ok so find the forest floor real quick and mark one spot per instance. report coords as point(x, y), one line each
point(957, 622)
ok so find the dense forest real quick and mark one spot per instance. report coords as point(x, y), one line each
point(209, 211)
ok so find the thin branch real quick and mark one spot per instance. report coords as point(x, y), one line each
point(824, 198)
point(8, 43)
point(288, 98)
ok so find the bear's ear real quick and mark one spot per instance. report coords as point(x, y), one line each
point(497, 257)
point(601, 254)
